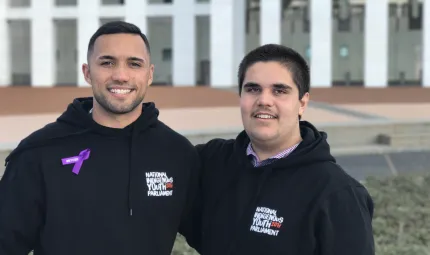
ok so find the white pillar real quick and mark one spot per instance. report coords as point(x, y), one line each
point(270, 21)
point(135, 13)
point(426, 44)
point(88, 23)
point(321, 43)
point(184, 43)
point(376, 44)
point(42, 44)
point(239, 35)
point(227, 44)
point(5, 63)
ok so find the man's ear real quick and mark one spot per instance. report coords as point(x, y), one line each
point(304, 103)
point(86, 73)
point(151, 74)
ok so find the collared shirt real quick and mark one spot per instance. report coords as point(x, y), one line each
point(256, 161)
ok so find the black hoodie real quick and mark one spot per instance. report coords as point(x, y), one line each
point(303, 204)
point(76, 187)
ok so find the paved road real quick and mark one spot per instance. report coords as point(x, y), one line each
point(362, 166)
point(2, 158)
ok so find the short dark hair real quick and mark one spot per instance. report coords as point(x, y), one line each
point(288, 57)
point(117, 27)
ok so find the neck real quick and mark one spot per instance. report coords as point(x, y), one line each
point(267, 149)
point(112, 120)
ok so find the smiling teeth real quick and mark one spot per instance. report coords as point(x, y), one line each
point(264, 116)
point(120, 91)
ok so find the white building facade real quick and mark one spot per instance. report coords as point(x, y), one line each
point(372, 43)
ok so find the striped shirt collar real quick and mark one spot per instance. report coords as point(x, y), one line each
point(256, 162)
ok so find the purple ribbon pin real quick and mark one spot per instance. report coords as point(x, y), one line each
point(77, 160)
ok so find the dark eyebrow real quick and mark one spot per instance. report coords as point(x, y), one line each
point(107, 57)
point(282, 86)
point(136, 59)
point(276, 86)
point(251, 85)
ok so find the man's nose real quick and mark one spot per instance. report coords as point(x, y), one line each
point(120, 74)
point(265, 98)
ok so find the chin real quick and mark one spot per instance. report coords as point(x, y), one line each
point(120, 108)
point(262, 135)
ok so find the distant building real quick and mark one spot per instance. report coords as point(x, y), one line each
point(374, 43)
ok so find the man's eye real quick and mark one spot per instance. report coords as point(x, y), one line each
point(280, 91)
point(136, 64)
point(252, 89)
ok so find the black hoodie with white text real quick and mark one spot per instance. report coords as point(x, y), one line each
point(303, 204)
point(77, 187)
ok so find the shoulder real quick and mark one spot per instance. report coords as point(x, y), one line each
point(345, 195)
point(170, 138)
point(37, 139)
point(47, 132)
point(331, 173)
point(334, 180)
point(216, 148)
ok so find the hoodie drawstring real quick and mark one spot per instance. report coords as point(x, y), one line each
point(135, 132)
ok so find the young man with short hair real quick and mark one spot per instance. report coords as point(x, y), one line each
point(107, 178)
point(276, 189)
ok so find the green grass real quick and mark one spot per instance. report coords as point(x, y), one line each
point(182, 248)
point(402, 214)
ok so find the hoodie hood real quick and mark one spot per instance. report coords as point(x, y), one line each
point(312, 149)
point(78, 116)
point(77, 120)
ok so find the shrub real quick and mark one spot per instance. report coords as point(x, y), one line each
point(401, 222)
point(181, 247)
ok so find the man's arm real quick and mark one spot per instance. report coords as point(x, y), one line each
point(191, 225)
point(21, 205)
point(344, 223)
